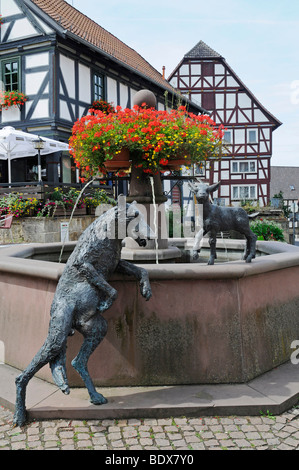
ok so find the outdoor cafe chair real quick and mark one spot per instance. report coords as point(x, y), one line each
point(5, 223)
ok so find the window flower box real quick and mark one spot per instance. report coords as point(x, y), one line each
point(12, 98)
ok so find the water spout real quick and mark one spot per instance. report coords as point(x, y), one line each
point(155, 219)
point(72, 214)
point(225, 248)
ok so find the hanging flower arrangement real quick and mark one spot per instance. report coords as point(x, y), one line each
point(1, 21)
point(153, 140)
point(12, 98)
point(101, 105)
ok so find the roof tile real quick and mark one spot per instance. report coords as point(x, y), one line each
point(85, 28)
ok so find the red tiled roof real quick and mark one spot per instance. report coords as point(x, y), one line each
point(71, 19)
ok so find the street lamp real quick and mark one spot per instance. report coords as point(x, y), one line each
point(39, 144)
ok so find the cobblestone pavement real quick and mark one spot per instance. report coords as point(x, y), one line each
point(179, 434)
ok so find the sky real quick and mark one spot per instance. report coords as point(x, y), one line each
point(258, 38)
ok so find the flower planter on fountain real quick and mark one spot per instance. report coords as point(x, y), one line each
point(120, 161)
point(156, 141)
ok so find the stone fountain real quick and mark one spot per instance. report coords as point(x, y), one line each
point(221, 324)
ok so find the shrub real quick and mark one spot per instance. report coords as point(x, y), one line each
point(267, 230)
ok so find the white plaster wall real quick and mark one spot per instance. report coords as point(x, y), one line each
point(84, 84)
point(9, 7)
point(112, 91)
point(64, 111)
point(259, 116)
point(219, 100)
point(124, 94)
point(67, 67)
point(33, 83)
point(244, 101)
point(41, 110)
point(219, 69)
point(239, 136)
point(37, 60)
point(224, 191)
point(21, 29)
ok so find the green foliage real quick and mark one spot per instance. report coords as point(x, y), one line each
point(98, 197)
point(20, 206)
point(267, 230)
point(250, 206)
point(16, 204)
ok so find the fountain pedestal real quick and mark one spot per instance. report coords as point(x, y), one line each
point(152, 206)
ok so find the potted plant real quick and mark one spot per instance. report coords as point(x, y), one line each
point(12, 98)
point(1, 21)
point(144, 138)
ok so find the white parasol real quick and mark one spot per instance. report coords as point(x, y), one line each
point(19, 144)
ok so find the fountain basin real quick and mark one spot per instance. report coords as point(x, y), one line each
point(226, 323)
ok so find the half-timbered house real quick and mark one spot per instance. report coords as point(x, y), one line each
point(205, 77)
point(63, 61)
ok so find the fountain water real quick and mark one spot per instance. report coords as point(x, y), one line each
point(155, 219)
point(72, 214)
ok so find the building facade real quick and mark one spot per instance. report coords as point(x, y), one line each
point(204, 77)
point(63, 61)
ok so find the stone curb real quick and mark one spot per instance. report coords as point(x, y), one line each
point(274, 392)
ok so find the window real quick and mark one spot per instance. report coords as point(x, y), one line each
point(200, 169)
point(98, 87)
point(227, 138)
point(10, 74)
point(244, 167)
point(244, 192)
point(252, 139)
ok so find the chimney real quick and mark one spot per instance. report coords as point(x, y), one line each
point(163, 71)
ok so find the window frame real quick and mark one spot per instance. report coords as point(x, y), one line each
point(249, 141)
point(229, 133)
point(97, 86)
point(3, 63)
point(239, 162)
point(242, 198)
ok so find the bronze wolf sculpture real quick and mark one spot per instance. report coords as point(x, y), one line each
point(219, 219)
point(82, 295)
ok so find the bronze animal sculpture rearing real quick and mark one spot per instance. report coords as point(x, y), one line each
point(219, 219)
point(82, 295)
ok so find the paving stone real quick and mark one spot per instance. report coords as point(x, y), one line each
point(227, 443)
point(252, 435)
point(162, 442)
point(146, 441)
point(211, 443)
point(207, 433)
point(242, 443)
point(175, 436)
point(197, 446)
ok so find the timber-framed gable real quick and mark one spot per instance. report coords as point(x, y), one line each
point(205, 77)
